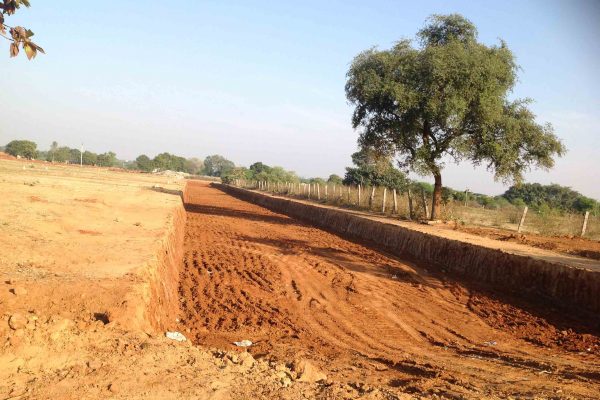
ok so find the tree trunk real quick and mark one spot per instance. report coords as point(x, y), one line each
point(436, 204)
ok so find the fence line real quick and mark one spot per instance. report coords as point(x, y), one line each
point(403, 205)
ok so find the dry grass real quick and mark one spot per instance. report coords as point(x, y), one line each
point(548, 224)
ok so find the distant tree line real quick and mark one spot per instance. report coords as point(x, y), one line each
point(261, 172)
point(551, 196)
point(214, 165)
point(370, 169)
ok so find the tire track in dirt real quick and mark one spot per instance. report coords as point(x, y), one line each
point(360, 314)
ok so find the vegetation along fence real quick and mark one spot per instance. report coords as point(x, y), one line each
point(416, 204)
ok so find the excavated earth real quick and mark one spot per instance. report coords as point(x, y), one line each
point(96, 265)
point(368, 319)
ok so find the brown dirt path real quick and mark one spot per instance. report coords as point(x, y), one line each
point(366, 317)
point(577, 246)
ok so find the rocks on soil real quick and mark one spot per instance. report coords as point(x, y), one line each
point(307, 372)
point(17, 321)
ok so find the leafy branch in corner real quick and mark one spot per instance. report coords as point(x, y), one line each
point(19, 37)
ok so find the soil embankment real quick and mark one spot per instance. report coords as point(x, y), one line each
point(558, 278)
point(367, 317)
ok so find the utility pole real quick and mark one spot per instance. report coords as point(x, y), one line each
point(81, 156)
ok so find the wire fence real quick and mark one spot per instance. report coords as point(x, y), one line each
point(411, 205)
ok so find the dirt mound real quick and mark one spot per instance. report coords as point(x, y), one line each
point(538, 323)
point(361, 316)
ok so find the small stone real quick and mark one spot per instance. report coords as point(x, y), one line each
point(17, 321)
point(113, 388)
point(246, 360)
point(19, 291)
point(307, 372)
point(94, 364)
point(286, 381)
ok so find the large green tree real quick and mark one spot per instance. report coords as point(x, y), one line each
point(168, 161)
point(144, 163)
point(89, 158)
point(22, 148)
point(374, 169)
point(217, 165)
point(554, 196)
point(335, 179)
point(108, 159)
point(447, 99)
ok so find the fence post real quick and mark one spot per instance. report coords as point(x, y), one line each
point(326, 194)
point(395, 203)
point(425, 206)
point(372, 197)
point(585, 221)
point(318, 191)
point(383, 202)
point(410, 205)
point(359, 195)
point(522, 222)
point(309, 190)
point(348, 194)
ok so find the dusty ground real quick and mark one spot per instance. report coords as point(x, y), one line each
point(569, 245)
point(368, 319)
point(72, 244)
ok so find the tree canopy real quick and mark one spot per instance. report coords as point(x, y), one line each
point(447, 98)
point(217, 165)
point(144, 163)
point(554, 196)
point(22, 148)
point(374, 169)
point(168, 161)
point(108, 159)
point(336, 179)
point(259, 171)
point(19, 37)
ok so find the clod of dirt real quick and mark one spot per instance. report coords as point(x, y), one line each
point(246, 359)
point(113, 388)
point(19, 291)
point(17, 321)
point(307, 372)
point(102, 317)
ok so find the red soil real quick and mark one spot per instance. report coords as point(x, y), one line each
point(366, 317)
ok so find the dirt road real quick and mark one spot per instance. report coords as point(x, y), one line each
point(366, 317)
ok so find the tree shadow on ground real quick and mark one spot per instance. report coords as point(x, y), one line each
point(160, 189)
point(347, 260)
point(233, 213)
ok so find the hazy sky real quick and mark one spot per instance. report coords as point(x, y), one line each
point(265, 80)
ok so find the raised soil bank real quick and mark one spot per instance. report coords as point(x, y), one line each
point(91, 243)
point(562, 279)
